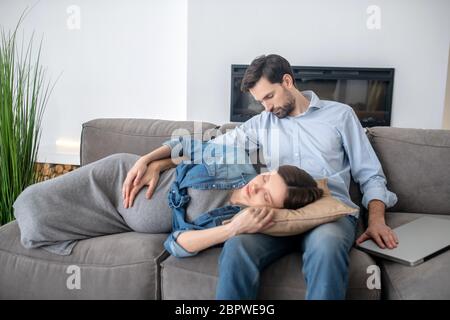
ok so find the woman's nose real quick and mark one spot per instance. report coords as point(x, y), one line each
point(255, 189)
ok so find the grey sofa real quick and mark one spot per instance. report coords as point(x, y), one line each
point(135, 265)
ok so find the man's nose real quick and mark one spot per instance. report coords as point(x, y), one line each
point(268, 107)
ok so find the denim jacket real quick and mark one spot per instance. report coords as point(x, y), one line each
point(210, 166)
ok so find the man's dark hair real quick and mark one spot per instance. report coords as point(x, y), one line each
point(302, 188)
point(273, 67)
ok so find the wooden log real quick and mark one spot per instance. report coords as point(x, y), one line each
point(59, 168)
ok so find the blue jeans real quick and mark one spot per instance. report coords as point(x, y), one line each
point(325, 252)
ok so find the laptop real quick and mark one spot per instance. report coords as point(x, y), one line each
point(418, 240)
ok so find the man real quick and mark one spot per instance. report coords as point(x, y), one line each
point(326, 139)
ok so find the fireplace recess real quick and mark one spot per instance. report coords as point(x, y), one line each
point(367, 90)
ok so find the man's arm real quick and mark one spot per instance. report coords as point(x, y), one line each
point(162, 152)
point(169, 163)
point(245, 136)
point(367, 171)
point(378, 230)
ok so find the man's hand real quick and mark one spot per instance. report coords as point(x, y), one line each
point(381, 234)
point(378, 230)
point(252, 220)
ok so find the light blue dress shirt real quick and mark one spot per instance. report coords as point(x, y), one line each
point(327, 141)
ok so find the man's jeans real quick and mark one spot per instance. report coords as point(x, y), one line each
point(325, 260)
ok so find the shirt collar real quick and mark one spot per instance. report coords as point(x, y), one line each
point(314, 101)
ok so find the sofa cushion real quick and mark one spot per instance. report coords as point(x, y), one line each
point(119, 266)
point(196, 277)
point(103, 137)
point(429, 280)
point(416, 164)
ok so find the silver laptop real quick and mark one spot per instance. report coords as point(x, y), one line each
point(418, 240)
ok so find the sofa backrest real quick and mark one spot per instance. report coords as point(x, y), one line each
point(103, 137)
point(416, 163)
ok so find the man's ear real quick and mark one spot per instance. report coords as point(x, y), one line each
point(288, 82)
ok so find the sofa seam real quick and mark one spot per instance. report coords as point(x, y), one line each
point(387, 278)
point(161, 289)
point(196, 272)
point(408, 142)
point(126, 134)
point(130, 134)
point(164, 255)
point(73, 262)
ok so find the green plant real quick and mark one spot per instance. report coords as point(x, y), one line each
point(24, 93)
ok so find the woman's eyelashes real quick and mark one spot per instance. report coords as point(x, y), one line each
point(265, 195)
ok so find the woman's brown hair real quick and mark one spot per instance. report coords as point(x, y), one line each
point(302, 188)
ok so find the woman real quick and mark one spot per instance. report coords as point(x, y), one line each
point(191, 200)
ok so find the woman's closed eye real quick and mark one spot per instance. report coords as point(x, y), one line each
point(266, 194)
point(266, 197)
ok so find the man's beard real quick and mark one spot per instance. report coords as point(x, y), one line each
point(286, 109)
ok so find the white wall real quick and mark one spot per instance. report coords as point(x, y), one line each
point(414, 39)
point(122, 62)
point(446, 116)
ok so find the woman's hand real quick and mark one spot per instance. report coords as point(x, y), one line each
point(140, 174)
point(252, 220)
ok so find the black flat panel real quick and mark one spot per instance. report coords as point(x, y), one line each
point(367, 90)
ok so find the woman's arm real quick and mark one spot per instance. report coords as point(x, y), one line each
point(162, 152)
point(168, 163)
point(196, 240)
point(249, 220)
